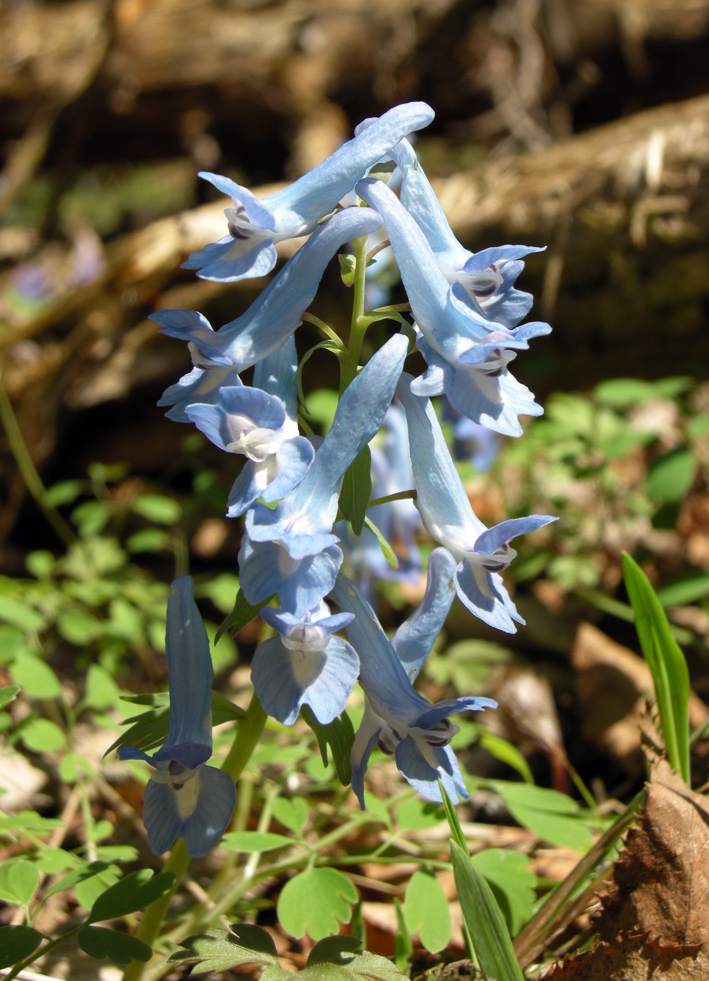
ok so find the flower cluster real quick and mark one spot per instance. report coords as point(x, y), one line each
point(466, 321)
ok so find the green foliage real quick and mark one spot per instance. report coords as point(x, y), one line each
point(512, 882)
point(292, 814)
point(19, 880)
point(314, 901)
point(357, 490)
point(254, 841)
point(100, 942)
point(666, 662)
point(16, 943)
point(426, 911)
point(555, 817)
point(339, 736)
point(134, 892)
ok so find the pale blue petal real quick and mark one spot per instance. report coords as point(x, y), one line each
point(496, 536)
point(133, 753)
point(275, 314)
point(203, 828)
point(303, 521)
point(293, 458)
point(266, 568)
point(440, 496)
point(226, 261)
point(277, 374)
point(199, 385)
point(479, 592)
point(424, 778)
point(315, 194)
point(382, 674)
point(161, 816)
point(258, 213)
point(266, 411)
point(450, 706)
point(190, 325)
point(415, 637)
point(282, 620)
point(365, 741)
point(284, 679)
point(217, 800)
point(190, 672)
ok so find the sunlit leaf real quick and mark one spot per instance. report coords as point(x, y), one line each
point(426, 911)
point(316, 902)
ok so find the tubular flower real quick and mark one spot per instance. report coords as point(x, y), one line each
point(219, 356)
point(184, 797)
point(487, 276)
point(481, 553)
point(260, 424)
point(466, 352)
point(304, 665)
point(291, 550)
point(397, 718)
point(254, 225)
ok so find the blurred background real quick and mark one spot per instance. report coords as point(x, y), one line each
point(579, 125)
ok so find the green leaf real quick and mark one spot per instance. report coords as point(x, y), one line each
point(217, 951)
point(292, 814)
point(347, 267)
point(40, 564)
point(384, 545)
point(102, 692)
point(551, 815)
point(149, 729)
point(35, 676)
point(148, 540)
point(334, 950)
point(356, 490)
point(485, 923)
point(19, 880)
point(79, 627)
point(321, 407)
point(30, 821)
point(339, 736)
point(415, 814)
point(64, 492)
point(666, 662)
point(688, 589)
point(505, 752)
point(16, 943)
point(254, 841)
point(316, 902)
point(158, 508)
point(85, 871)
point(382, 170)
point(43, 736)
point(221, 590)
point(19, 614)
point(671, 475)
point(242, 614)
point(426, 911)
point(91, 517)
point(512, 882)
point(101, 942)
point(89, 889)
point(8, 694)
point(51, 860)
point(134, 892)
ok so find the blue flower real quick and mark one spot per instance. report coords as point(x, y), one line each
point(481, 553)
point(467, 353)
point(291, 550)
point(260, 424)
point(254, 225)
point(397, 718)
point(184, 797)
point(219, 356)
point(487, 276)
point(304, 665)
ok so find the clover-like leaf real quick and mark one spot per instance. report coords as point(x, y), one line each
point(426, 911)
point(134, 892)
point(16, 943)
point(316, 902)
point(101, 942)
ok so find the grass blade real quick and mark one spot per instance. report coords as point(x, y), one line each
point(666, 662)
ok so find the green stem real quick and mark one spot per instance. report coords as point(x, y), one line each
point(28, 470)
point(358, 327)
point(247, 736)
